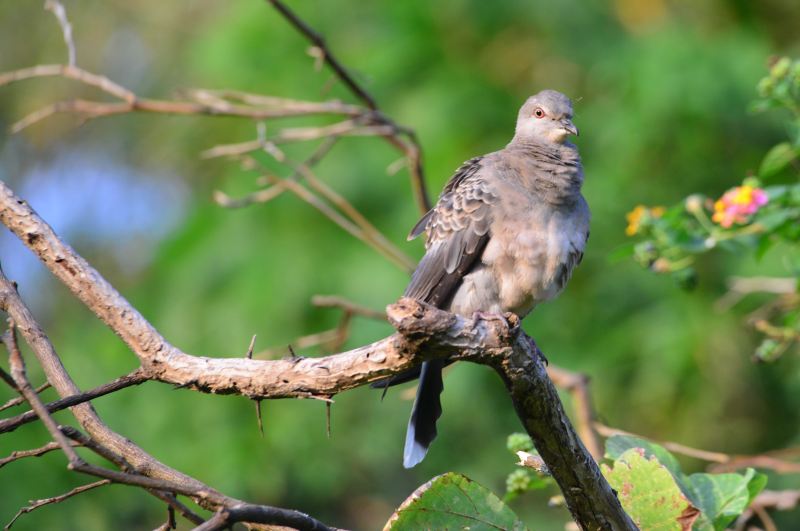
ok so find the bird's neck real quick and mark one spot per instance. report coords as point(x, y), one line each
point(552, 171)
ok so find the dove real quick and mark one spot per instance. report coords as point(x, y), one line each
point(506, 233)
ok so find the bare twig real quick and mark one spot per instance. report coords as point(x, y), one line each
point(335, 301)
point(327, 56)
point(386, 249)
point(74, 73)
point(66, 28)
point(411, 149)
point(17, 365)
point(19, 400)
point(35, 452)
point(782, 500)
point(740, 287)
point(134, 378)
point(577, 385)
point(113, 446)
point(721, 462)
point(56, 499)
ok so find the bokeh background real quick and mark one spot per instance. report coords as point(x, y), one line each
point(661, 91)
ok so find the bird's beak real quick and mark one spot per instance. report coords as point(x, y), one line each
point(569, 127)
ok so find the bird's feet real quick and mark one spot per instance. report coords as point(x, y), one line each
point(510, 321)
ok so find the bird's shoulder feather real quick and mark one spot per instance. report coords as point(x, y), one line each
point(457, 232)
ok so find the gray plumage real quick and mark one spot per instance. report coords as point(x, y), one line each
point(505, 235)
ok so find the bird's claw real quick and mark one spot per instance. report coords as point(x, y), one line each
point(510, 321)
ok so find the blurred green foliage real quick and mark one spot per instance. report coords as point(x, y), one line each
point(745, 218)
point(661, 90)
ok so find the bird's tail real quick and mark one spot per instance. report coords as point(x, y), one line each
point(427, 409)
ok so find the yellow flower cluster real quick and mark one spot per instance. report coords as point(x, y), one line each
point(639, 213)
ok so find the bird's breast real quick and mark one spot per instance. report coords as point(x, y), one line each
point(532, 253)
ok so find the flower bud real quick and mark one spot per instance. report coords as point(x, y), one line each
point(694, 203)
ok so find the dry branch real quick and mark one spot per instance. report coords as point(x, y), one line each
point(35, 504)
point(134, 378)
point(145, 470)
point(423, 333)
point(35, 452)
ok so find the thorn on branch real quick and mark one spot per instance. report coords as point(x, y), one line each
point(250, 348)
point(328, 419)
point(259, 417)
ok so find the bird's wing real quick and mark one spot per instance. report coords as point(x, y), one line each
point(458, 231)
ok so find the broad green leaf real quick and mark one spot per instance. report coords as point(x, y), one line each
point(777, 159)
point(453, 501)
point(617, 445)
point(772, 220)
point(649, 493)
point(723, 497)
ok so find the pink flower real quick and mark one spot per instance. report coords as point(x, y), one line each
point(738, 204)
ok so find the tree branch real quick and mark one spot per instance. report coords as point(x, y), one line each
point(411, 147)
point(424, 332)
point(146, 471)
point(134, 378)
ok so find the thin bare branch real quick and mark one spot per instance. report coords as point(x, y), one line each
point(35, 452)
point(577, 385)
point(87, 109)
point(268, 194)
point(781, 500)
point(17, 365)
point(328, 57)
point(159, 478)
point(74, 73)
point(56, 499)
point(66, 28)
point(767, 461)
point(134, 378)
point(336, 301)
point(721, 462)
point(411, 149)
point(19, 400)
point(740, 287)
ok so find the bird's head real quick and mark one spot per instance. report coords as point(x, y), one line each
point(546, 116)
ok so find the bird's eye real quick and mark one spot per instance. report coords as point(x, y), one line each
point(539, 113)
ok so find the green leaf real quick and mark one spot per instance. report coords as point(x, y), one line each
point(649, 493)
point(453, 501)
point(765, 244)
point(723, 497)
point(617, 445)
point(777, 159)
point(772, 220)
